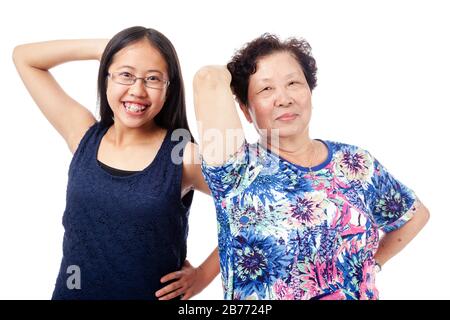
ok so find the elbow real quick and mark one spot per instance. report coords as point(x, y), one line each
point(423, 215)
point(212, 77)
point(17, 52)
point(426, 215)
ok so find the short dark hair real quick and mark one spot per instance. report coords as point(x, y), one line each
point(243, 63)
point(173, 113)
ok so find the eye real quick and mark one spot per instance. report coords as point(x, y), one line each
point(153, 79)
point(293, 83)
point(265, 89)
point(126, 75)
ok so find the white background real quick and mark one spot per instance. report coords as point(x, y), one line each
point(383, 84)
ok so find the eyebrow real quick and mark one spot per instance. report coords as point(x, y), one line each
point(287, 76)
point(293, 74)
point(132, 68)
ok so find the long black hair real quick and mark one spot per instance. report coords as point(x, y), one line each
point(173, 113)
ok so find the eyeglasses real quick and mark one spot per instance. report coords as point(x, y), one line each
point(128, 79)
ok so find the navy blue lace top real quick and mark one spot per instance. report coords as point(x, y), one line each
point(122, 233)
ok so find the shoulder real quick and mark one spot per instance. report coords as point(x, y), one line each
point(351, 161)
point(344, 147)
point(340, 149)
point(191, 154)
point(191, 160)
point(192, 170)
point(90, 130)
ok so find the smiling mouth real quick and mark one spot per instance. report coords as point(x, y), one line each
point(135, 108)
point(287, 116)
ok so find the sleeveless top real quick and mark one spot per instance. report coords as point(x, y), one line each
point(122, 233)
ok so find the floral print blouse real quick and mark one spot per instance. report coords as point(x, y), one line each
point(287, 232)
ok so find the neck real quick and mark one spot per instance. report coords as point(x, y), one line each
point(121, 135)
point(297, 149)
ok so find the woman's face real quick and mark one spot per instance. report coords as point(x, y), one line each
point(136, 105)
point(279, 97)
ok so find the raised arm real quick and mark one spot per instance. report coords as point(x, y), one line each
point(33, 62)
point(220, 128)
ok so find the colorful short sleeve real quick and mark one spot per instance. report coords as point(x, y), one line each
point(391, 203)
point(227, 177)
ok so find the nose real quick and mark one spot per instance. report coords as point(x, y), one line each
point(138, 89)
point(283, 98)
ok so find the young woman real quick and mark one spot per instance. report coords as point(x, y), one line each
point(298, 218)
point(128, 197)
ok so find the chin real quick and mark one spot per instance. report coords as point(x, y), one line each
point(134, 124)
point(286, 132)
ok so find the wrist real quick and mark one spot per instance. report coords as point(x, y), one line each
point(101, 45)
point(203, 276)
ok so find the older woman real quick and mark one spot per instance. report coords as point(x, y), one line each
point(298, 218)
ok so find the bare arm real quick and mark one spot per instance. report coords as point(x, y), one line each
point(220, 128)
point(192, 171)
point(393, 242)
point(33, 62)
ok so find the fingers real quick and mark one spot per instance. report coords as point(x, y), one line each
point(173, 294)
point(180, 286)
point(171, 276)
point(186, 296)
point(169, 288)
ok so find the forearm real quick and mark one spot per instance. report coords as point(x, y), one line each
point(220, 128)
point(210, 268)
point(213, 98)
point(46, 55)
point(393, 242)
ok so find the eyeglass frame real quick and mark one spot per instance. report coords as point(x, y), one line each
point(110, 74)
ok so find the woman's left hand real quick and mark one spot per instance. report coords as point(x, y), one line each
point(187, 283)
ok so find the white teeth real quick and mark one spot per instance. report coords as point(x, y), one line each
point(134, 107)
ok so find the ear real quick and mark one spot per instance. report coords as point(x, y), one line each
point(244, 109)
